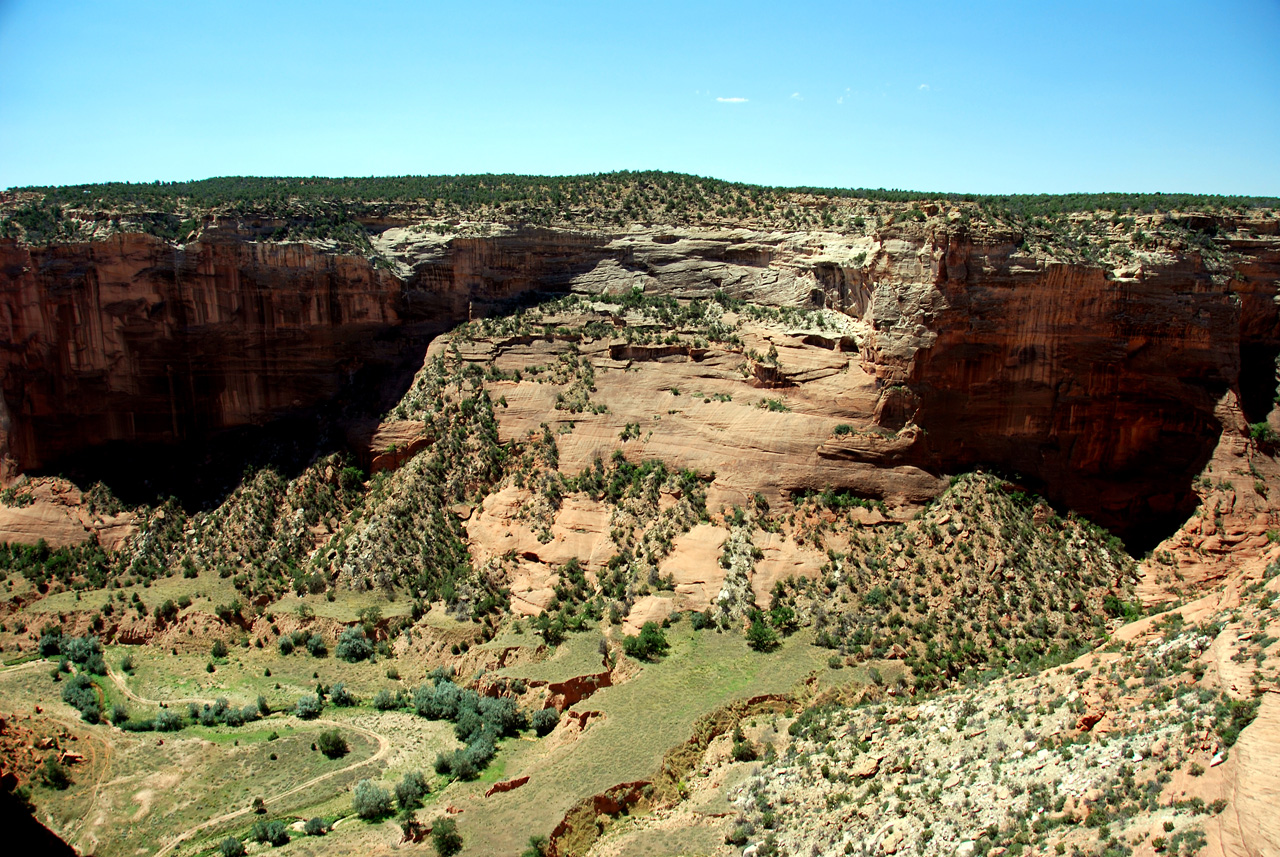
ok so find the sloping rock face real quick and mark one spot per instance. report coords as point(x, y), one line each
point(1099, 385)
point(1251, 827)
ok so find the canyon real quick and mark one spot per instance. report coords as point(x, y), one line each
point(1099, 385)
point(956, 528)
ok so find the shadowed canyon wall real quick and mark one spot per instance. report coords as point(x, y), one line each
point(1100, 384)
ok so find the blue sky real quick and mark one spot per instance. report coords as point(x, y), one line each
point(982, 97)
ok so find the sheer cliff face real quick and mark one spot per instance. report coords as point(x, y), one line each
point(1101, 385)
point(130, 339)
point(1102, 388)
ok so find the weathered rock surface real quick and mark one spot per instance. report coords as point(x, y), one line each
point(1100, 385)
point(56, 511)
point(1252, 826)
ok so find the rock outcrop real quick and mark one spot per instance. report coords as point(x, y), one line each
point(1098, 384)
point(1102, 385)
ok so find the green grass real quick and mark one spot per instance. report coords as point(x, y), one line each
point(158, 790)
point(160, 674)
point(704, 839)
point(579, 654)
point(346, 605)
point(205, 592)
point(643, 718)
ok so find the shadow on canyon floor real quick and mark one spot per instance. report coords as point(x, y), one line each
point(200, 474)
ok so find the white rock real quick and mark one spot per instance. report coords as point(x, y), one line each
point(964, 849)
point(1217, 760)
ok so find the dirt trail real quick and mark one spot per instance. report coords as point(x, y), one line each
point(95, 744)
point(25, 665)
point(384, 747)
point(119, 682)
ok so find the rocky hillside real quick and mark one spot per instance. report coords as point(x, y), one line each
point(995, 481)
point(1140, 748)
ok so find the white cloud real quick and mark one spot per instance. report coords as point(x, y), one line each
point(734, 100)
point(797, 96)
point(924, 87)
point(840, 100)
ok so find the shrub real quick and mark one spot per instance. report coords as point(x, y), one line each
point(760, 636)
point(1117, 608)
point(231, 847)
point(1263, 434)
point(439, 702)
point(78, 649)
point(286, 645)
point(51, 645)
point(218, 649)
point(341, 697)
point(353, 646)
point(650, 643)
point(741, 832)
point(1233, 715)
point(385, 700)
point(137, 725)
point(545, 720)
point(743, 750)
point(79, 692)
point(462, 765)
point(54, 774)
point(370, 801)
point(502, 716)
point(332, 744)
point(168, 721)
point(411, 789)
point(316, 646)
point(446, 838)
point(315, 827)
point(308, 707)
point(270, 832)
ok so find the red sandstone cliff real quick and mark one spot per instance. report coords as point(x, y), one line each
point(132, 339)
point(1100, 382)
